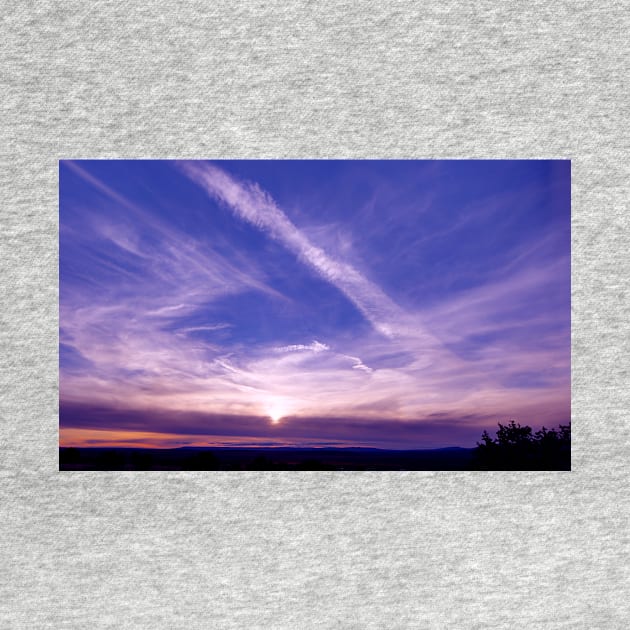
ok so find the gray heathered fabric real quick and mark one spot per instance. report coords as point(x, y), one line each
point(314, 550)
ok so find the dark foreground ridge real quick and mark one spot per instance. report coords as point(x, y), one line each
point(188, 458)
point(262, 459)
point(515, 447)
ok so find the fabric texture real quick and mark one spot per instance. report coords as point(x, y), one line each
point(314, 80)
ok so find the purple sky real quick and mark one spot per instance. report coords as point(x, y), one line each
point(396, 304)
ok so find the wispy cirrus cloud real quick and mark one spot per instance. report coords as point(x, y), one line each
point(315, 346)
point(253, 205)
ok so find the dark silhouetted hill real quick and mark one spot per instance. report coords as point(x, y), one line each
point(262, 459)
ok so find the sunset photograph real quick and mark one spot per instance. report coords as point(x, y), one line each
point(314, 315)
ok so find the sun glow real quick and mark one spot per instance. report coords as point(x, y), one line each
point(276, 410)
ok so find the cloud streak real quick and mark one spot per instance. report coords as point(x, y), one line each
point(255, 206)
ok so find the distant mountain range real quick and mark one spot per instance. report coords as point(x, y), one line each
point(265, 458)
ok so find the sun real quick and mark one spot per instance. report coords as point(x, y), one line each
point(276, 411)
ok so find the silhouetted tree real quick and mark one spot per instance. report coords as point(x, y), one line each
point(516, 447)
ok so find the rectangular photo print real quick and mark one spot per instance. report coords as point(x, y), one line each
point(314, 315)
